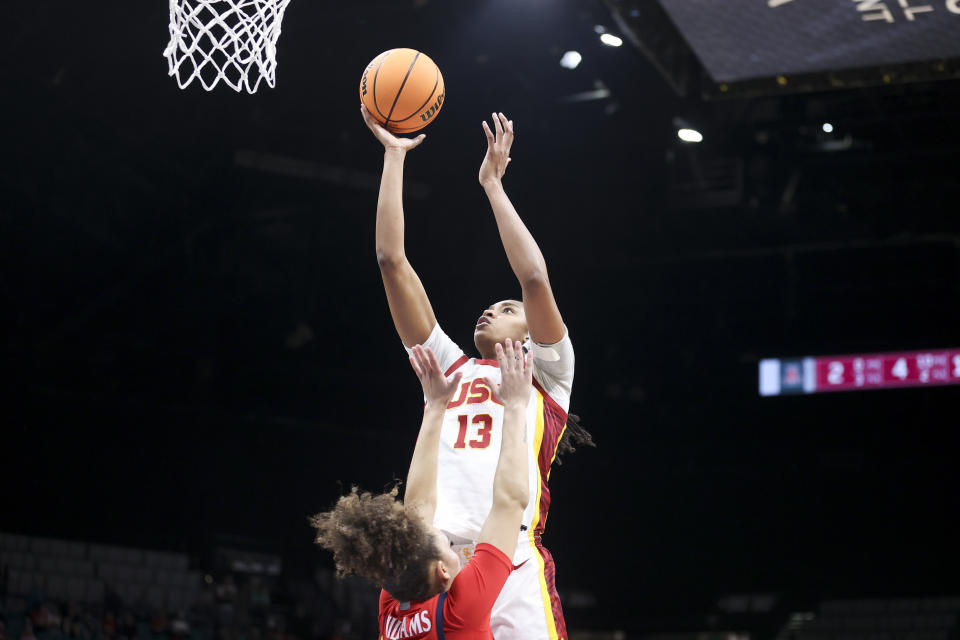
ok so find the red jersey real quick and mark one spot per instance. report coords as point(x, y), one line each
point(462, 613)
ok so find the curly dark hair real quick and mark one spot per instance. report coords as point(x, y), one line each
point(573, 436)
point(378, 538)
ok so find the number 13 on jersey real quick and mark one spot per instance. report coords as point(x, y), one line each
point(483, 425)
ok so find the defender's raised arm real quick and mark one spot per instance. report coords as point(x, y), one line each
point(543, 317)
point(421, 493)
point(412, 314)
point(511, 488)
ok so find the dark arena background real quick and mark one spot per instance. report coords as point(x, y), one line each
point(197, 351)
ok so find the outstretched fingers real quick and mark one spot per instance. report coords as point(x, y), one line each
point(510, 356)
point(427, 367)
point(501, 355)
point(418, 361)
point(515, 372)
point(486, 130)
point(508, 363)
point(424, 361)
point(415, 364)
point(368, 119)
point(507, 125)
point(432, 362)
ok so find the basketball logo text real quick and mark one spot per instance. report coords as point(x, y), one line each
point(366, 72)
point(426, 115)
point(363, 81)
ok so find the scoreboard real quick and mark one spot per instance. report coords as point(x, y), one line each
point(744, 39)
point(816, 374)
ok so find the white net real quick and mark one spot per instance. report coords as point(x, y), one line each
point(230, 40)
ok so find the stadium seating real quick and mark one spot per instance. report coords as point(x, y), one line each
point(84, 573)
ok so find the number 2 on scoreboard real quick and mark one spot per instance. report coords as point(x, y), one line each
point(484, 422)
point(835, 373)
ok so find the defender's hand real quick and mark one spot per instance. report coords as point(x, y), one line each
point(387, 139)
point(498, 149)
point(436, 388)
point(516, 371)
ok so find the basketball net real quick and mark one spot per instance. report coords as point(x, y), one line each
point(230, 40)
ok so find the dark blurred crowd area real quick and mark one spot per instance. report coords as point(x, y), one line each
point(61, 590)
point(83, 597)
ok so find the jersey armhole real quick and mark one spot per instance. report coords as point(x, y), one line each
point(462, 360)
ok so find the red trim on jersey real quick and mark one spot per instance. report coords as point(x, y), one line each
point(549, 575)
point(547, 400)
point(492, 363)
point(554, 420)
point(456, 365)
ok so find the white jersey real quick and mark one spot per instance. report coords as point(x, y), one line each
point(471, 434)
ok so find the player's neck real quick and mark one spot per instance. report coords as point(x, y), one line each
point(489, 351)
point(486, 351)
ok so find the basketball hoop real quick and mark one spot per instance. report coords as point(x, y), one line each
point(230, 40)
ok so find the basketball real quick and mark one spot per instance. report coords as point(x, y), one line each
point(402, 89)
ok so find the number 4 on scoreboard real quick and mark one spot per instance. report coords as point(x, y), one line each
point(900, 368)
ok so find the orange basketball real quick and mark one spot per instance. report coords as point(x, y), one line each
point(402, 89)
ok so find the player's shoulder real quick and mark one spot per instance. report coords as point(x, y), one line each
point(488, 553)
point(486, 558)
point(553, 351)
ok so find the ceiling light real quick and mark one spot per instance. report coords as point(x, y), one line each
point(610, 40)
point(827, 127)
point(690, 135)
point(570, 60)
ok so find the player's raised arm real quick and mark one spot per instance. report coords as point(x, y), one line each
point(412, 314)
point(511, 489)
point(526, 260)
point(421, 490)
